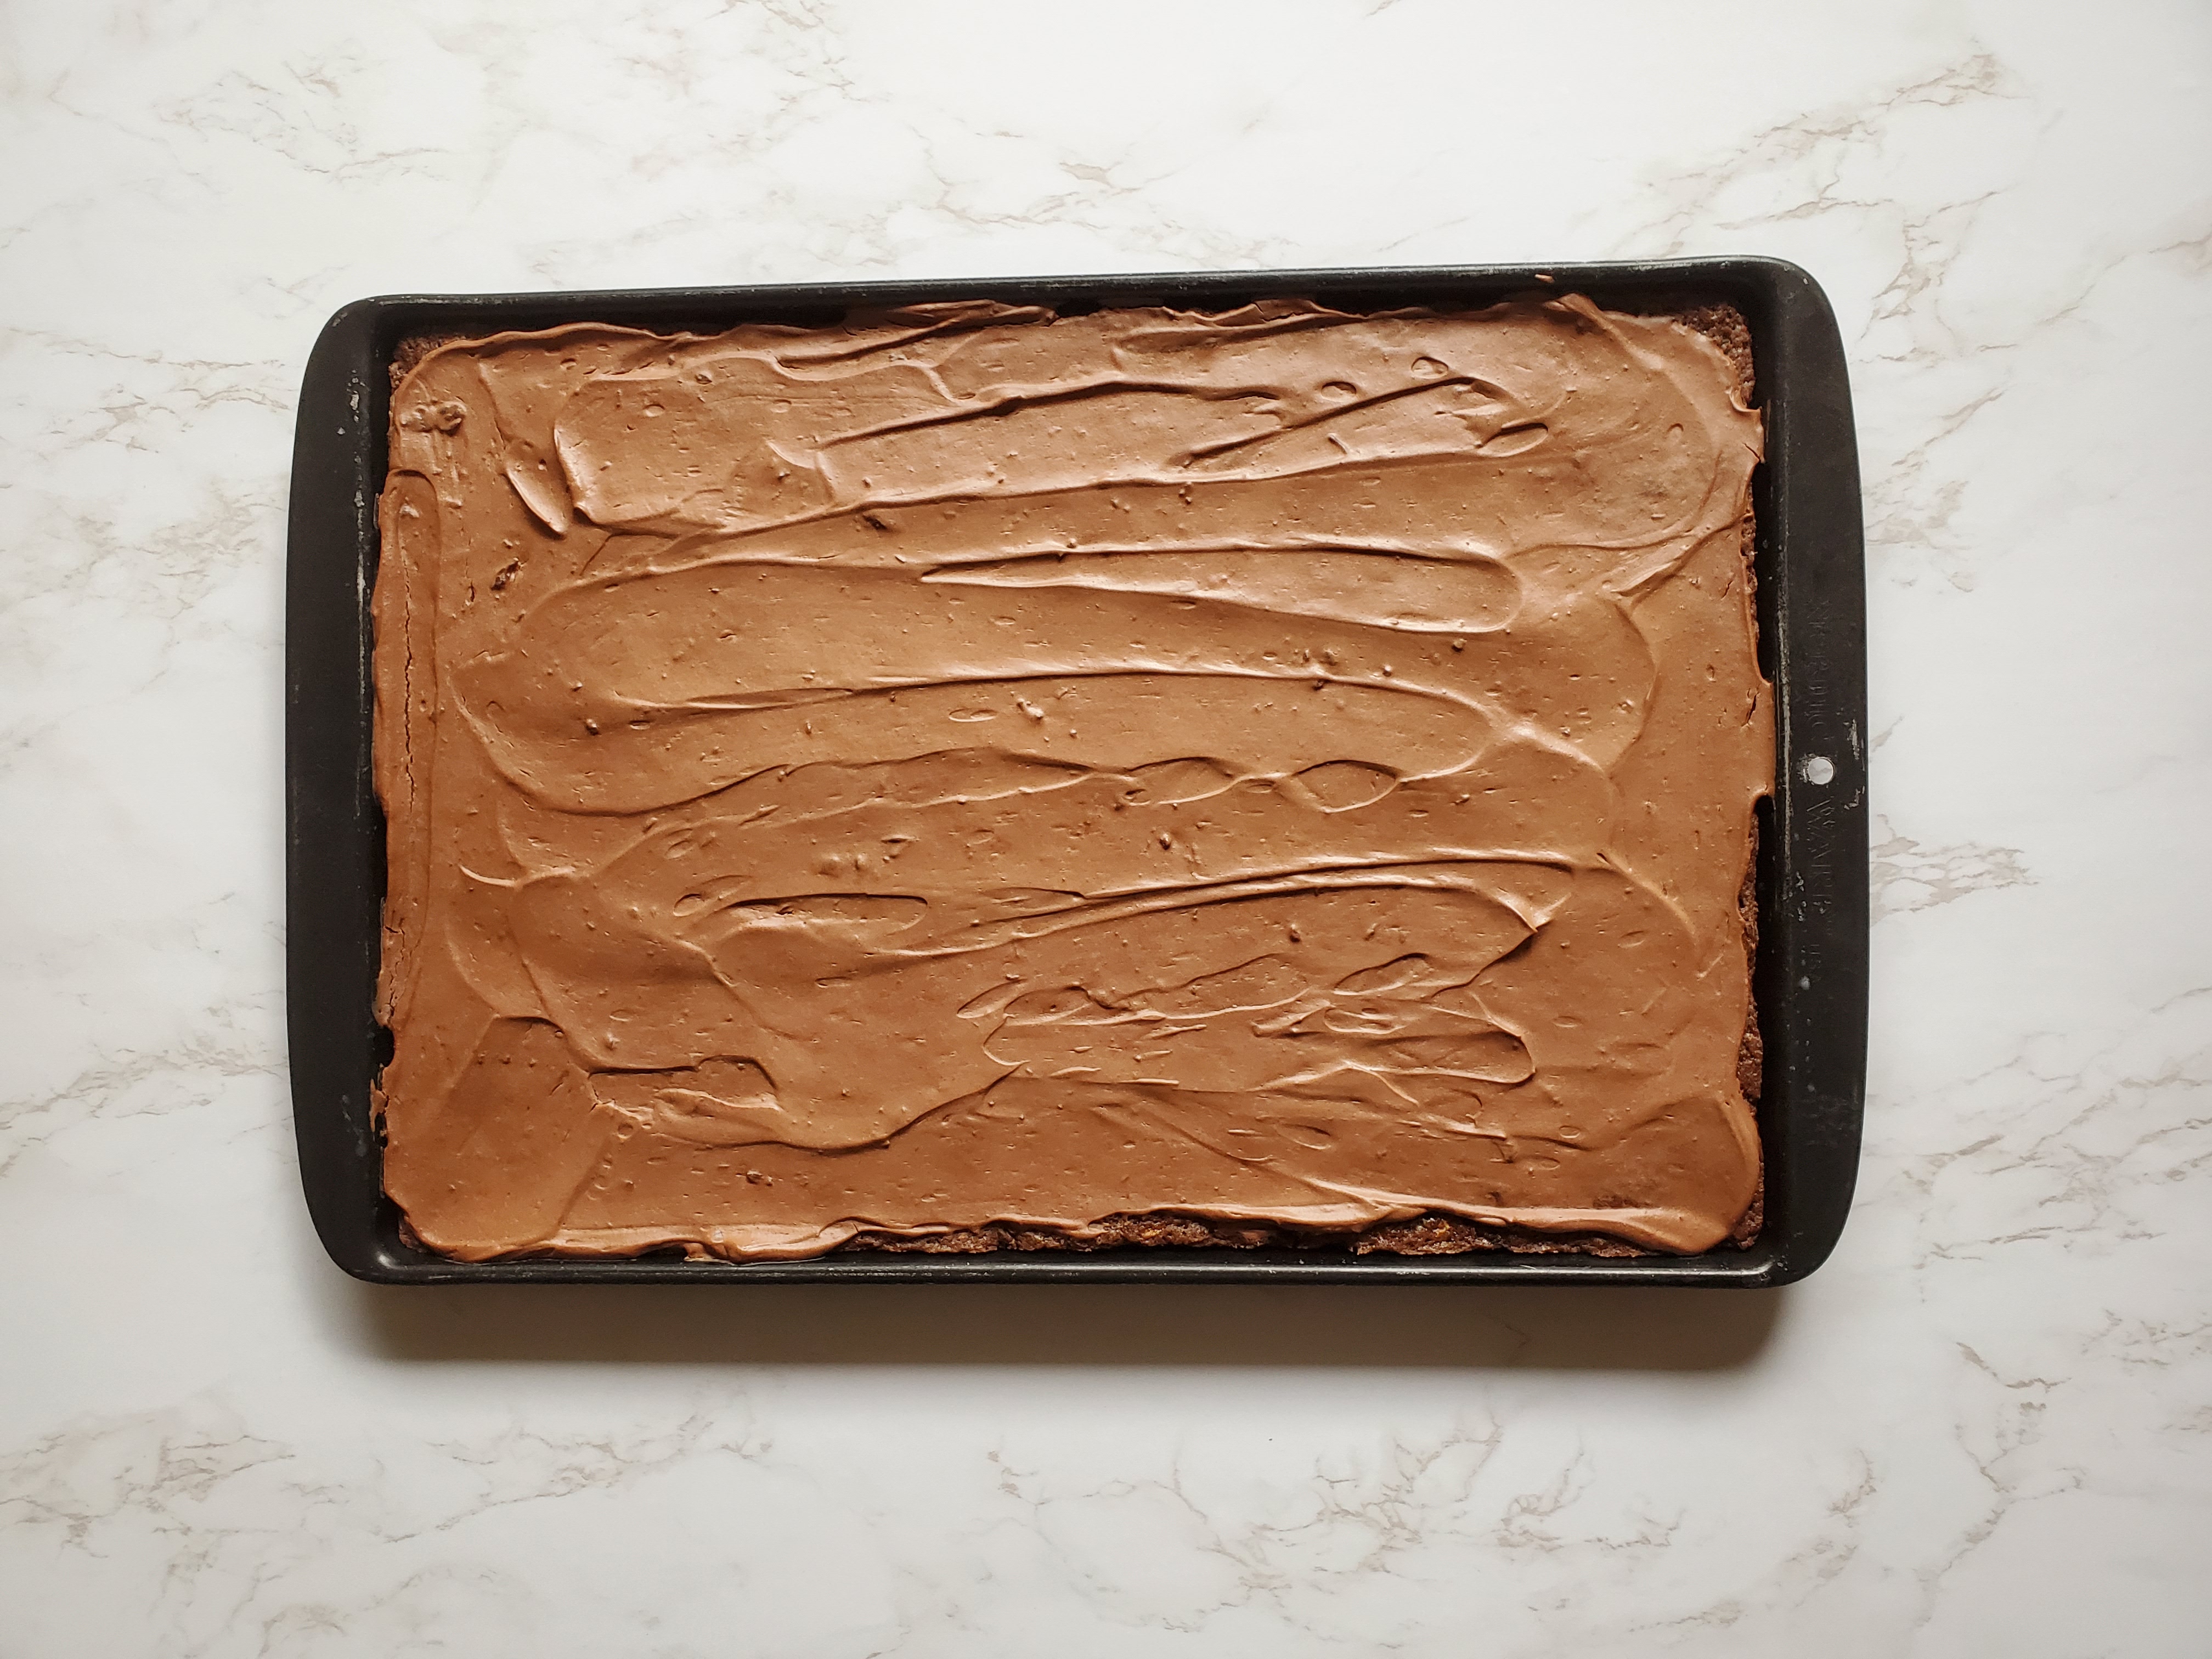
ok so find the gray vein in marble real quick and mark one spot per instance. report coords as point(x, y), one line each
point(1907, 877)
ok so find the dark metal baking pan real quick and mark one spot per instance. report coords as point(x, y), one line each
point(1810, 977)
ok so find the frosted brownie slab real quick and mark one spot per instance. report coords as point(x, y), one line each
point(973, 778)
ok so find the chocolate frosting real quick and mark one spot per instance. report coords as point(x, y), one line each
point(968, 766)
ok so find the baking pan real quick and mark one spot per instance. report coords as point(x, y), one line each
point(1810, 974)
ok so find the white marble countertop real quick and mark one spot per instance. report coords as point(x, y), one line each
point(1982, 1429)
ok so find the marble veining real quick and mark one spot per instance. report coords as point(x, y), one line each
point(1980, 1429)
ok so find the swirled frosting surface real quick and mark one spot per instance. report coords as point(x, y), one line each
point(972, 766)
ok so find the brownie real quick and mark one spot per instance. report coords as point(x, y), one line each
point(971, 779)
